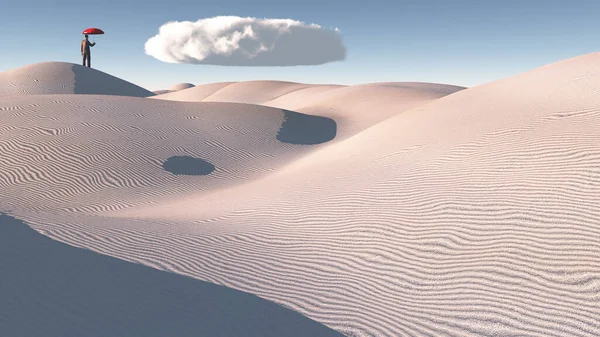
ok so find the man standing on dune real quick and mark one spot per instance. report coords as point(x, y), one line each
point(85, 51)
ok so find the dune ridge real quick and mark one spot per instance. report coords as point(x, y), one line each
point(181, 86)
point(354, 108)
point(459, 213)
point(65, 78)
point(195, 94)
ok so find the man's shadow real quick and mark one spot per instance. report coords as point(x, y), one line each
point(48, 288)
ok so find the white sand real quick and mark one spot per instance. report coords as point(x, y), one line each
point(354, 108)
point(181, 86)
point(161, 92)
point(474, 214)
point(48, 288)
point(64, 78)
point(174, 88)
point(195, 94)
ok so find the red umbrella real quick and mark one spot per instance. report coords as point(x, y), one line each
point(93, 31)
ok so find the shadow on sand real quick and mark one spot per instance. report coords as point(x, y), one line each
point(94, 82)
point(298, 128)
point(48, 288)
point(185, 165)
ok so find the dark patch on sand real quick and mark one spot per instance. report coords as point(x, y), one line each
point(186, 165)
point(298, 128)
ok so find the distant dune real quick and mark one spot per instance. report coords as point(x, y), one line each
point(161, 92)
point(65, 78)
point(354, 107)
point(195, 94)
point(253, 92)
point(174, 88)
point(180, 86)
point(364, 105)
point(383, 209)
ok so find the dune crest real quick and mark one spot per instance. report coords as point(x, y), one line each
point(194, 94)
point(65, 78)
point(354, 108)
point(181, 86)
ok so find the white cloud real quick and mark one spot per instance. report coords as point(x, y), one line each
point(236, 41)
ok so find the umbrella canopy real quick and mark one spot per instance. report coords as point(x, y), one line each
point(93, 31)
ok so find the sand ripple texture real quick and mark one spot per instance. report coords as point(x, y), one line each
point(474, 214)
point(65, 78)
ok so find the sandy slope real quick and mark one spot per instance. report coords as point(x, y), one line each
point(174, 88)
point(161, 92)
point(72, 152)
point(65, 78)
point(474, 214)
point(256, 92)
point(195, 94)
point(361, 105)
point(253, 92)
point(354, 108)
point(181, 86)
point(76, 292)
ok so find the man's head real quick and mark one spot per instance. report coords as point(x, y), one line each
point(86, 36)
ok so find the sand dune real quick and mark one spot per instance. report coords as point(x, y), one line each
point(354, 108)
point(97, 138)
point(253, 92)
point(88, 294)
point(65, 78)
point(434, 211)
point(174, 88)
point(362, 105)
point(181, 86)
point(474, 215)
point(161, 92)
point(195, 94)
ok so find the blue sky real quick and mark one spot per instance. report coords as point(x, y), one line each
point(463, 42)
